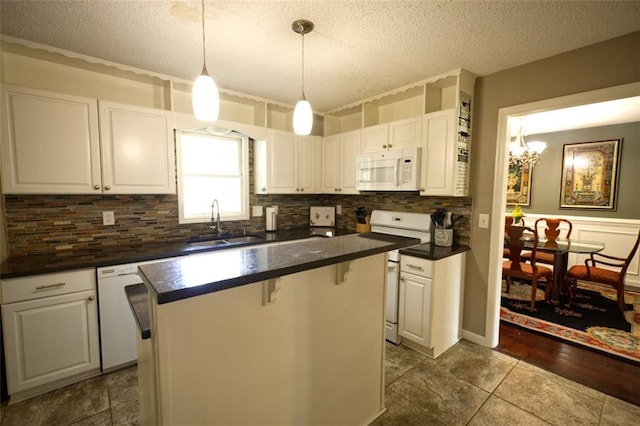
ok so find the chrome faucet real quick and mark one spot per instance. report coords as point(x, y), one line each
point(215, 217)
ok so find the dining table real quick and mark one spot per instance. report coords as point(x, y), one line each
point(561, 247)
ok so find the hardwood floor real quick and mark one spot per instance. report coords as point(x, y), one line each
point(609, 375)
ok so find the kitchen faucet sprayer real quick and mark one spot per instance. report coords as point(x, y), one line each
point(215, 217)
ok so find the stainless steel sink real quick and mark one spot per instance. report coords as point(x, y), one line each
point(210, 243)
point(239, 240)
point(244, 239)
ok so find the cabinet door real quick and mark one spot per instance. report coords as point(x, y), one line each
point(50, 339)
point(375, 138)
point(414, 316)
point(438, 162)
point(49, 143)
point(282, 164)
point(405, 133)
point(330, 164)
point(137, 150)
point(308, 164)
point(350, 148)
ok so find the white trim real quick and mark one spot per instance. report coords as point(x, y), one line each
point(477, 339)
point(244, 215)
point(499, 196)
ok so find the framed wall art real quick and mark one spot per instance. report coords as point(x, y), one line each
point(590, 174)
point(519, 184)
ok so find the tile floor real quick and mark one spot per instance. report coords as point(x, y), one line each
point(467, 385)
point(111, 399)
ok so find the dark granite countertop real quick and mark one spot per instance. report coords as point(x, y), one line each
point(19, 266)
point(193, 276)
point(138, 296)
point(433, 252)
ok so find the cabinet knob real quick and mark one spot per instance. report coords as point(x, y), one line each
point(422, 190)
point(96, 186)
point(263, 189)
point(390, 146)
point(384, 146)
point(297, 189)
point(335, 189)
point(90, 298)
point(301, 189)
point(401, 278)
point(107, 187)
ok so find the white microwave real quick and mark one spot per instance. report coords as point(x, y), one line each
point(393, 170)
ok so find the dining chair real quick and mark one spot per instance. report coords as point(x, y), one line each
point(515, 267)
point(508, 222)
point(552, 232)
point(591, 271)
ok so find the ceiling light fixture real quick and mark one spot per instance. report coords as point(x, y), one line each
point(205, 97)
point(302, 114)
point(521, 152)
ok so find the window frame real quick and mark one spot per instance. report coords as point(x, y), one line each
point(244, 176)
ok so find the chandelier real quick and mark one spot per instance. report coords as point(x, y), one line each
point(521, 152)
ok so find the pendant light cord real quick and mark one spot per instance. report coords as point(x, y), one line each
point(204, 52)
point(303, 66)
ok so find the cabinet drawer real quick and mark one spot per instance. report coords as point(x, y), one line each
point(37, 286)
point(416, 266)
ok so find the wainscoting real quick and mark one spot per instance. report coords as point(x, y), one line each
point(618, 236)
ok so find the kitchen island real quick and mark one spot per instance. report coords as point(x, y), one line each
point(286, 334)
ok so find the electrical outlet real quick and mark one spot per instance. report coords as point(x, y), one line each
point(483, 220)
point(257, 211)
point(108, 218)
point(338, 209)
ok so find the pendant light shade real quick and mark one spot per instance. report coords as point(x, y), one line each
point(205, 97)
point(302, 118)
point(302, 114)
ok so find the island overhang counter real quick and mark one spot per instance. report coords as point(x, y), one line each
point(288, 334)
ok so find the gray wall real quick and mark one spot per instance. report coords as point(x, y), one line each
point(610, 63)
point(545, 194)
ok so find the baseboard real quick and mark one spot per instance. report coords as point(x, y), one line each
point(476, 338)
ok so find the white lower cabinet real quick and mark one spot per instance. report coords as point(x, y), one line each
point(50, 325)
point(430, 305)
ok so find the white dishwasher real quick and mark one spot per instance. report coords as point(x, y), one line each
point(118, 327)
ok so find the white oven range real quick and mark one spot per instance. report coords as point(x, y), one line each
point(405, 224)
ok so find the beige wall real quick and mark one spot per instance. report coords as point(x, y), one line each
point(610, 63)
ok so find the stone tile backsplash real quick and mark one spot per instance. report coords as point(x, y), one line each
point(53, 223)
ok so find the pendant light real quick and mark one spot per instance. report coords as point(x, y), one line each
point(205, 97)
point(302, 114)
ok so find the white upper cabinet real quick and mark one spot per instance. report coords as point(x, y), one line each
point(339, 159)
point(437, 174)
point(396, 135)
point(287, 164)
point(59, 144)
point(446, 135)
point(50, 143)
point(136, 150)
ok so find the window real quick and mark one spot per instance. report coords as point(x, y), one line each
point(212, 167)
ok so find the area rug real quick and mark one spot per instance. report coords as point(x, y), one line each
point(592, 320)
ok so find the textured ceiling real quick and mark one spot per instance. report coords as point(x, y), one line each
point(358, 48)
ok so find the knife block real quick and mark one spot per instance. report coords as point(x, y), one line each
point(364, 227)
